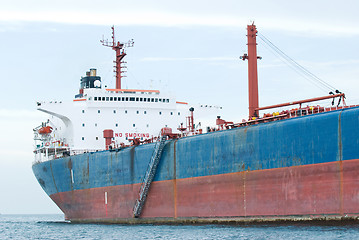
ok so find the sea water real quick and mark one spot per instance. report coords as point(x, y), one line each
point(54, 227)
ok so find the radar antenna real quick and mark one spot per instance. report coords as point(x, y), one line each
point(120, 54)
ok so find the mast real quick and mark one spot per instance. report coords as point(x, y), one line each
point(252, 70)
point(120, 54)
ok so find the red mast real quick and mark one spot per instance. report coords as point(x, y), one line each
point(252, 70)
point(120, 54)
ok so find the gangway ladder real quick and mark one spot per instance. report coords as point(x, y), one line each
point(150, 173)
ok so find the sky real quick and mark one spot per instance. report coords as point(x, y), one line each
point(190, 48)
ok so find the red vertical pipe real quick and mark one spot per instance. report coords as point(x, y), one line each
point(108, 135)
point(120, 54)
point(252, 70)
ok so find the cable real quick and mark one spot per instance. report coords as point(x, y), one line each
point(296, 66)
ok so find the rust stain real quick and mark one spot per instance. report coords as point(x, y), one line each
point(132, 164)
point(341, 192)
point(53, 178)
point(340, 146)
point(244, 194)
point(174, 180)
point(69, 164)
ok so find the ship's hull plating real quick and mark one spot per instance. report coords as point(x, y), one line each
point(306, 167)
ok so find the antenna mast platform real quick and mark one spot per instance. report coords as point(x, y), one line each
point(120, 54)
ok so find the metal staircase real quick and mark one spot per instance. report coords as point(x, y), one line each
point(150, 173)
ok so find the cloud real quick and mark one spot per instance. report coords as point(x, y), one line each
point(277, 15)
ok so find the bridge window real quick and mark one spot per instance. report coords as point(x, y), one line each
point(95, 98)
point(111, 98)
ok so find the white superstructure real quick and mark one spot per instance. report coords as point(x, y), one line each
point(79, 124)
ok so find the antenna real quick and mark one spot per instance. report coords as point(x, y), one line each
point(120, 54)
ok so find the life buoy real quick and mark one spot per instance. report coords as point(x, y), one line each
point(47, 144)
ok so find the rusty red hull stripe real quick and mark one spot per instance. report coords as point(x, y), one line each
point(318, 189)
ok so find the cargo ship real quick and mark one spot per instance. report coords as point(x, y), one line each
point(140, 156)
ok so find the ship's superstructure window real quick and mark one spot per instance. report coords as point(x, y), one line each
point(144, 112)
point(103, 98)
point(156, 99)
point(106, 98)
point(83, 138)
point(179, 113)
point(95, 124)
point(111, 98)
point(171, 113)
point(83, 111)
point(137, 99)
point(96, 138)
point(114, 111)
point(98, 111)
point(125, 111)
point(152, 99)
point(127, 99)
point(83, 125)
point(132, 99)
point(134, 125)
point(116, 124)
point(160, 113)
point(95, 98)
point(138, 112)
point(147, 125)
